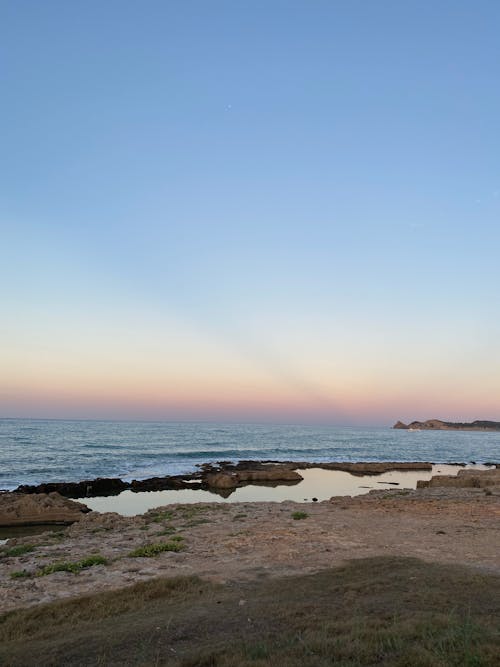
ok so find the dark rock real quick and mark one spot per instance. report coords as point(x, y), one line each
point(165, 484)
point(101, 486)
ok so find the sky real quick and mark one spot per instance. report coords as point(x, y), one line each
point(250, 210)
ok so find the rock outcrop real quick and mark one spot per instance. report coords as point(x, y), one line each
point(209, 477)
point(372, 467)
point(18, 509)
point(230, 480)
point(479, 479)
point(438, 425)
point(102, 486)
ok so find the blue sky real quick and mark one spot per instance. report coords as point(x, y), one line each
point(305, 195)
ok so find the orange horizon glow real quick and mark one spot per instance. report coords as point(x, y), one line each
point(165, 369)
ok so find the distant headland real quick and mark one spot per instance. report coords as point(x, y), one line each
point(438, 425)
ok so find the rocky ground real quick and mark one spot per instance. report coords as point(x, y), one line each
point(246, 541)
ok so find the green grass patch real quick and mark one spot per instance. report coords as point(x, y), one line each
point(159, 517)
point(193, 511)
point(299, 515)
point(73, 567)
point(390, 612)
point(151, 550)
point(19, 574)
point(20, 550)
point(196, 522)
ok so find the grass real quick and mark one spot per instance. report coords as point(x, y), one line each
point(151, 550)
point(74, 567)
point(159, 517)
point(395, 612)
point(19, 574)
point(20, 550)
point(196, 522)
point(192, 511)
point(299, 515)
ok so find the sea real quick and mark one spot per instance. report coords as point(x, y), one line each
point(33, 451)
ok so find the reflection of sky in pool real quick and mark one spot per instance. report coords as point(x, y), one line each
point(317, 483)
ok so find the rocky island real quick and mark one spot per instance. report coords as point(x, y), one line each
point(438, 425)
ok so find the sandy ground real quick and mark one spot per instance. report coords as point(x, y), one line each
point(254, 540)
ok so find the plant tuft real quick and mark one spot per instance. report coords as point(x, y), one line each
point(151, 550)
point(20, 550)
point(73, 567)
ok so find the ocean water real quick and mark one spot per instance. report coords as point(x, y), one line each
point(35, 451)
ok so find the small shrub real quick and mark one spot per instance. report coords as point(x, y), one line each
point(196, 522)
point(17, 551)
point(150, 550)
point(192, 511)
point(58, 567)
point(91, 561)
point(74, 567)
point(162, 516)
point(299, 515)
point(177, 538)
point(19, 574)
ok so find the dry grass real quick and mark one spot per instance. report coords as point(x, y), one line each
point(384, 611)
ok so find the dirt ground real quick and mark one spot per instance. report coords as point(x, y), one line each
point(248, 541)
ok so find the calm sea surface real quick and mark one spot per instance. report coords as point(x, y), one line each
point(34, 451)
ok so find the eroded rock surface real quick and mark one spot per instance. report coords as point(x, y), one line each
point(229, 480)
point(18, 509)
point(479, 479)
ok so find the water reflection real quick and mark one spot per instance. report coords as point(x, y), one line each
point(317, 483)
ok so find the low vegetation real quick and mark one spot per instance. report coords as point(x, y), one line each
point(151, 550)
point(19, 550)
point(159, 517)
point(20, 574)
point(395, 612)
point(75, 566)
point(299, 515)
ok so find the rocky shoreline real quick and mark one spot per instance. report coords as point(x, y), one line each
point(49, 504)
point(221, 476)
point(246, 541)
